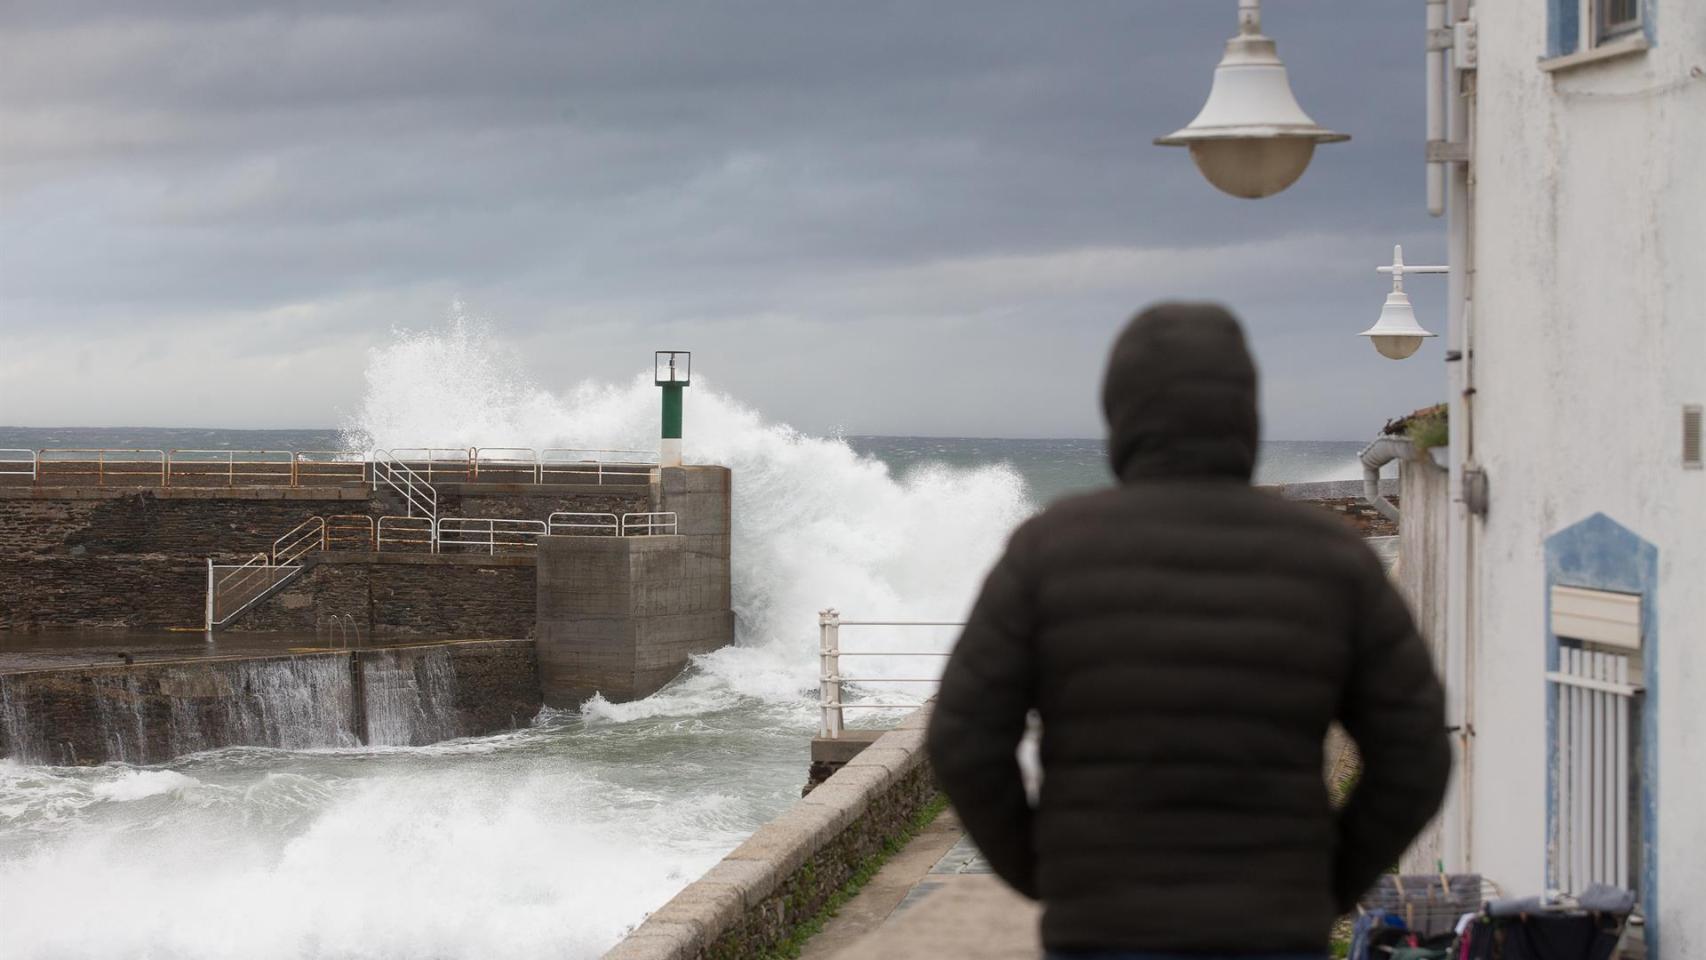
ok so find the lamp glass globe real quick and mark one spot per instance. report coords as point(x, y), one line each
point(1252, 167)
point(1396, 347)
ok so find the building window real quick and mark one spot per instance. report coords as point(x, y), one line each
point(1579, 27)
point(1617, 18)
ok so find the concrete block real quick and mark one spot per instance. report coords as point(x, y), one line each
point(847, 800)
point(918, 719)
point(659, 942)
point(896, 762)
point(711, 907)
point(754, 879)
point(843, 748)
point(903, 740)
point(786, 842)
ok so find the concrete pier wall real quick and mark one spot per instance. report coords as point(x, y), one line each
point(152, 712)
point(622, 616)
point(405, 594)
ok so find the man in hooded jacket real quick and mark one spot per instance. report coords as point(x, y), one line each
point(1186, 640)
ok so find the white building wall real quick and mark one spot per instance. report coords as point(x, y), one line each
point(1589, 317)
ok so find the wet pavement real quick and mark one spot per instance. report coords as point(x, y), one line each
point(938, 899)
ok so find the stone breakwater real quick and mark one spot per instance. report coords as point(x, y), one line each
point(152, 712)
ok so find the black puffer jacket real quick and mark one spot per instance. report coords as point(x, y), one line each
point(1187, 640)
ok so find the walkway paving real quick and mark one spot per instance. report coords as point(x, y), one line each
point(935, 900)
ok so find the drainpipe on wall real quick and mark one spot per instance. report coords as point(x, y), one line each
point(1374, 456)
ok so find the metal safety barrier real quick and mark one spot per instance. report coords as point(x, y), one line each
point(350, 531)
point(504, 464)
point(489, 534)
point(583, 525)
point(831, 679)
point(234, 588)
point(301, 540)
point(648, 524)
point(433, 464)
point(102, 467)
point(569, 465)
point(406, 535)
point(327, 466)
point(419, 497)
point(228, 468)
point(17, 466)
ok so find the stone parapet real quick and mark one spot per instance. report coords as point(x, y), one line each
point(786, 872)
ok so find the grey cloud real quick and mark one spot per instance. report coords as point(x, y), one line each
point(759, 176)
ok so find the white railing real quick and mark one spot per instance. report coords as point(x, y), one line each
point(648, 524)
point(228, 468)
point(406, 535)
point(301, 540)
point(111, 467)
point(583, 525)
point(490, 534)
point(234, 588)
point(567, 465)
point(14, 465)
point(1598, 732)
point(504, 464)
point(831, 680)
point(441, 464)
point(417, 491)
point(105, 467)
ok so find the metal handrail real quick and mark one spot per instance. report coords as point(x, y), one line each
point(830, 677)
point(28, 459)
point(301, 540)
point(564, 524)
point(107, 462)
point(327, 464)
point(478, 457)
point(459, 462)
point(180, 464)
point(498, 531)
point(593, 467)
point(656, 524)
point(245, 584)
point(400, 531)
point(417, 491)
point(344, 529)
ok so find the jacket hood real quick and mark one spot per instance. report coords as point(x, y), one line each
point(1180, 396)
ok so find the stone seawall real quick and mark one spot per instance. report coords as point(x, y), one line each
point(111, 557)
point(406, 594)
point(130, 557)
point(151, 712)
point(785, 873)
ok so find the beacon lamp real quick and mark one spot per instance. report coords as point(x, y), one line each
point(1397, 334)
point(1251, 138)
point(670, 370)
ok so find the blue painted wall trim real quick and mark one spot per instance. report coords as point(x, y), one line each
point(1600, 554)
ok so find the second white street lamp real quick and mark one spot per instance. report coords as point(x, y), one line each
point(1251, 138)
point(1397, 334)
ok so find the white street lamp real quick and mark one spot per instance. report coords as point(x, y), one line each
point(1397, 334)
point(1251, 138)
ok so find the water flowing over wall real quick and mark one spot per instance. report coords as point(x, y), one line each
point(149, 713)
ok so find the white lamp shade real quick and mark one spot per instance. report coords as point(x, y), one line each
point(1397, 334)
point(1251, 139)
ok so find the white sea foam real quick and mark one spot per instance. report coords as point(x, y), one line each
point(815, 524)
point(548, 842)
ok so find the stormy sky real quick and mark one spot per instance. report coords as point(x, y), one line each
point(907, 218)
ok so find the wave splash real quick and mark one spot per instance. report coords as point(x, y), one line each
point(815, 524)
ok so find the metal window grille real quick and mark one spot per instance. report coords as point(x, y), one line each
point(1596, 793)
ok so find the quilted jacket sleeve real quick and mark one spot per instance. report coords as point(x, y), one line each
point(1394, 709)
point(987, 691)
